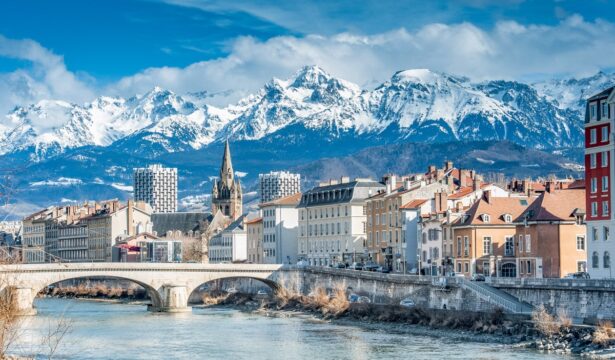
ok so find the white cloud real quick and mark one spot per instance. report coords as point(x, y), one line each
point(509, 50)
point(47, 77)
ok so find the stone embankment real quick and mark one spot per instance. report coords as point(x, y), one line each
point(547, 335)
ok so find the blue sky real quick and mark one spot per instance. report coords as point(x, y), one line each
point(77, 50)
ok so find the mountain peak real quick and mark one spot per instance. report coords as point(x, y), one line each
point(310, 76)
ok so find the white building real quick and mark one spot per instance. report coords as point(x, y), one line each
point(231, 245)
point(280, 230)
point(411, 214)
point(157, 186)
point(278, 184)
point(332, 221)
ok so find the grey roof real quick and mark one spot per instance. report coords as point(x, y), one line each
point(236, 225)
point(340, 193)
point(182, 221)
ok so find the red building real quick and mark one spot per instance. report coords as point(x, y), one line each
point(599, 182)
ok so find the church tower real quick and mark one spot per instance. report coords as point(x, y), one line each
point(226, 194)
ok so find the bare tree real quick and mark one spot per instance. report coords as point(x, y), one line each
point(56, 332)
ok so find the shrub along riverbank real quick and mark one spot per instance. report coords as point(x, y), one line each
point(544, 332)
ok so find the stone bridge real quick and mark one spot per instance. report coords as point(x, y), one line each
point(168, 285)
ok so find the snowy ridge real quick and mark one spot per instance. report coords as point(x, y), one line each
point(414, 105)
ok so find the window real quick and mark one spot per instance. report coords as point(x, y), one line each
point(605, 133)
point(485, 218)
point(466, 246)
point(529, 267)
point(581, 266)
point(508, 218)
point(595, 260)
point(604, 112)
point(458, 267)
point(458, 245)
point(594, 234)
point(466, 267)
point(520, 243)
point(604, 159)
point(605, 233)
point(606, 260)
point(509, 249)
point(605, 183)
point(528, 243)
point(509, 270)
point(594, 185)
point(592, 136)
point(592, 160)
point(594, 208)
point(581, 242)
point(605, 208)
point(487, 250)
point(592, 111)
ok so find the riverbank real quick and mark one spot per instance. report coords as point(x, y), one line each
point(543, 335)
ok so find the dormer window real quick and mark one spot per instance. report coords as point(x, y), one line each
point(485, 217)
point(507, 218)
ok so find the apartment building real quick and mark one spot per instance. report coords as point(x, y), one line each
point(157, 186)
point(484, 236)
point(280, 230)
point(278, 184)
point(411, 214)
point(332, 221)
point(254, 230)
point(72, 241)
point(33, 238)
point(599, 181)
point(551, 240)
point(385, 228)
point(230, 245)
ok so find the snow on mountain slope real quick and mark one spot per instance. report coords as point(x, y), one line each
point(414, 105)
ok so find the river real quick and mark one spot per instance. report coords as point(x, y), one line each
point(103, 330)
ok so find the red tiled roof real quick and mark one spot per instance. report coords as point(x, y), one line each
point(254, 221)
point(557, 205)
point(414, 204)
point(464, 191)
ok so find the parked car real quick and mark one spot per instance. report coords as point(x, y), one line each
point(340, 266)
point(383, 269)
point(356, 266)
point(577, 275)
point(456, 274)
point(262, 292)
point(231, 290)
point(407, 302)
point(354, 298)
point(413, 271)
point(302, 263)
point(478, 277)
point(370, 267)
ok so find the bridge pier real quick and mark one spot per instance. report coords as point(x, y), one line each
point(23, 299)
point(174, 299)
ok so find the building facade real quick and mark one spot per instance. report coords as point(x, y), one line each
point(332, 221)
point(156, 186)
point(599, 182)
point(231, 245)
point(550, 235)
point(254, 230)
point(226, 196)
point(280, 230)
point(278, 184)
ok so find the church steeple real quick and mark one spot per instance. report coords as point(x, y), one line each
point(226, 195)
point(226, 170)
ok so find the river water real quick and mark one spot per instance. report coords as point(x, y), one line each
point(102, 330)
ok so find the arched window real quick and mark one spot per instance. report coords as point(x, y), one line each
point(595, 260)
point(509, 270)
point(606, 260)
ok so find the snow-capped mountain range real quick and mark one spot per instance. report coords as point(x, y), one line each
point(414, 105)
point(310, 123)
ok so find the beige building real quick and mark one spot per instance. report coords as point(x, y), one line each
point(550, 235)
point(332, 221)
point(254, 228)
point(484, 236)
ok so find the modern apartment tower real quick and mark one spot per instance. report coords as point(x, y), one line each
point(156, 186)
point(278, 184)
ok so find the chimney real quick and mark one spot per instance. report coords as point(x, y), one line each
point(472, 174)
point(528, 189)
point(550, 186)
point(441, 199)
point(407, 184)
point(464, 175)
point(448, 165)
point(393, 181)
point(388, 188)
point(487, 196)
point(431, 168)
point(450, 181)
point(129, 225)
point(459, 206)
point(476, 184)
point(344, 179)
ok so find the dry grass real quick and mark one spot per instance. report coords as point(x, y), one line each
point(284, 296)
point(545, 323)
point(337, 304)
point(211, 299)
point(604, 333)
point(564, 319)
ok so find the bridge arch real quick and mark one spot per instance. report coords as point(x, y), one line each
point(152, 293)
point(274, 286)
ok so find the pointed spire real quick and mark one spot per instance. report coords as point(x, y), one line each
point(226, 171)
